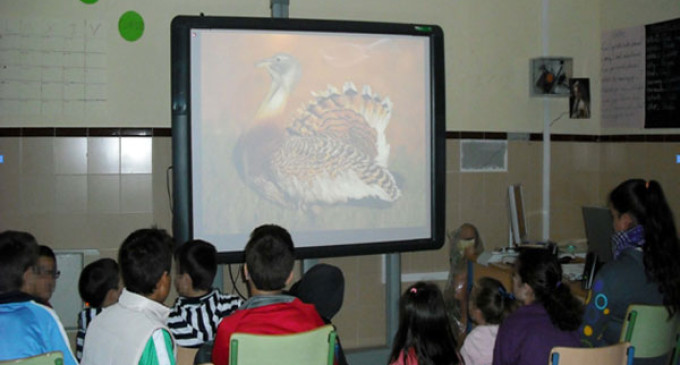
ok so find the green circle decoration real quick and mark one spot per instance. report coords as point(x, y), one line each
point(89, 1)
point(131, 26)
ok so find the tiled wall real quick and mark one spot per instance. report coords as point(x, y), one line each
point(88, 190)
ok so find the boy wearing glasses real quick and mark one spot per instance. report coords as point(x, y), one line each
point(27, 328)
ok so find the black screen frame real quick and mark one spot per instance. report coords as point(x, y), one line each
point(181, 125)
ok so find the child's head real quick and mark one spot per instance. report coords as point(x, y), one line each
point(424, 326)
point(18, 257)
point(99, 283)
point(537, 274)
point(270, 256)
point(538, 278)
point(196, 267)
point(145, 259)
point(490, 302)
point(47, 274)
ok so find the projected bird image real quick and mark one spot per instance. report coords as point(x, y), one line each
point(332, 149)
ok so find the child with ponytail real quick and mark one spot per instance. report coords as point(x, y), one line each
point(424, 336)
point(489, 304)
point(549, 317)
point(646, 264)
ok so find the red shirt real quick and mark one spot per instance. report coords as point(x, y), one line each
point(278, 318)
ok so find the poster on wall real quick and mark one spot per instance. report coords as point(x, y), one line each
point(550, 76)
point(623, 78)
point(579, 98)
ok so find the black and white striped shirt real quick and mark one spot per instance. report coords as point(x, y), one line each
point(85, 317)
point(194, 321)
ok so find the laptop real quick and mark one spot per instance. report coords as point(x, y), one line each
point(599, 230)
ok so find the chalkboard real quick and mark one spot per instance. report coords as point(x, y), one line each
point(662, 87)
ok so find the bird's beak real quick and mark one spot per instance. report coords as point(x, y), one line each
point(264, 63)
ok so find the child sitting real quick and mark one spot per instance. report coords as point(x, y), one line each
point(134, 330)
point(268, 269)
point(424, 335)
point(489, 304)
point(199, 309)
point(549, 317)
point(27, 328)
point(99, 287)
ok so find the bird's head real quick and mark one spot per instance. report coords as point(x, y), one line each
point(284, 70)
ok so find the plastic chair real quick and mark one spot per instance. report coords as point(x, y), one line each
point(48, 358)
point(648, 328)
point(186, 355)
point(315, 347)
point(619, 354)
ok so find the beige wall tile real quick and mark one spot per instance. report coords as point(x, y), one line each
point(103, 155)
point(135, 155)
point(70, 155)
point(136, 193)
point(69, 231)
point(103, 194)
point(452, 155)
point(10, 194)
point(37, 194)
point(37, 156)
point(10, 149)
point(70, 194)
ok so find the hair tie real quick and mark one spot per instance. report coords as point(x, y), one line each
point(413, 290)
point(505, 294)
point(647, 184)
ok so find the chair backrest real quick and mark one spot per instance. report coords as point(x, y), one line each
point(648, 328)
point(48, 358)
point(315, 347)
point(618, 354)
point(186, 355)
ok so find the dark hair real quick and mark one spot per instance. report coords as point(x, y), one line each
point(646, 203)
point(540, 269)
point(143, 257)
point(424, 327)
point(270, 256)
point(97, 279)
point(46, 251)
point(18, 253)
point(197, 258)
point(493, 300)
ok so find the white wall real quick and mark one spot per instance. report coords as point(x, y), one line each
point(488, 47)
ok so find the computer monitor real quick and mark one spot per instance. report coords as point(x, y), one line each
point(599, 230)
point(518, 220)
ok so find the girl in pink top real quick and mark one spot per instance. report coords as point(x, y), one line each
point(424, 336)
point(489, 304)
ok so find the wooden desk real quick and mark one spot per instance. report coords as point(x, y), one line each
point(503, 273)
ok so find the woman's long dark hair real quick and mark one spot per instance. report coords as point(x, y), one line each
point(540, 269)
point(646, 203)
point(424, 327)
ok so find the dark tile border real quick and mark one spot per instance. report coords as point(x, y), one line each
point(167, 132)
point(85, 132)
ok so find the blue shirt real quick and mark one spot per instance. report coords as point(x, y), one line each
point(28, 329)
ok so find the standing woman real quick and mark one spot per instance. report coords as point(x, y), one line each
point(646, 266)
point(550, 316)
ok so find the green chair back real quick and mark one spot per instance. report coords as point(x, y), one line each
point(315, 347)
point(648, 328)
point(49, 358)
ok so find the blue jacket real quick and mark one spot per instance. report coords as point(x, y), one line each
point(28, 329)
